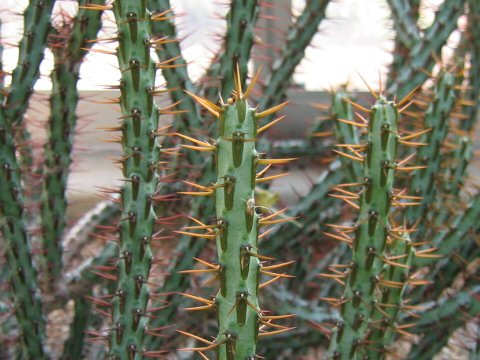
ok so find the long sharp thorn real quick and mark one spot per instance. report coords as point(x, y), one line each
point(275, 332)
point(358, 106)
point(211, 107)
point(271, 123)
point(203, 236)
point(274, 161)
point(408, 97)
point(205, 341)
point(374, 94)
point(270, 111)
point(252, 83)
point(197, 298)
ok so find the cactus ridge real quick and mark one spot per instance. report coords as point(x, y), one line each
point(23, 275)
point(449, 240)
point(237, 227)
point(37, 25)
point(371, 232)
point(238, 43)
point(61, 132)
point(394, 278)
point(437, 119)
point(472, 37)
point(141, 153)
point(237, 300)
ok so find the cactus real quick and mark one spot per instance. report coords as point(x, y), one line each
point(237, 226)
point(436, 119)
point(139, 161)
point(238, 44)
point(23, 275)
point(394, 285)
point(449, 240)
point(69, 51)
point(371, 232)
point(405, 15)
point(31, 49)
point(139, 321)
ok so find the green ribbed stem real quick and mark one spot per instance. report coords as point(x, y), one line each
point(405, 16)
point(68, 58)
point(345, 133)
point(454, 176)
point(141, 153)
point(22, 273)
point(36, 22)
point(437, 118)
point(371, 234)
point(238, 43)
point(237, 301)
point(384, 315)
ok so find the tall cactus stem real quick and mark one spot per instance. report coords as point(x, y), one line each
point(371, 232)
point(68, 58)
point(141, 153)
point(437, 117)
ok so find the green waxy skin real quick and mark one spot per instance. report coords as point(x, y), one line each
point(345, 133)
point(236, 302)
point(415, 71)
point(298, 39)
point(140, 160)
point(23, 275)
point(371, 234)
point(31, 49)
point(384, 333)
point(239, 37)
point(437, 117)
point(61, 134)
